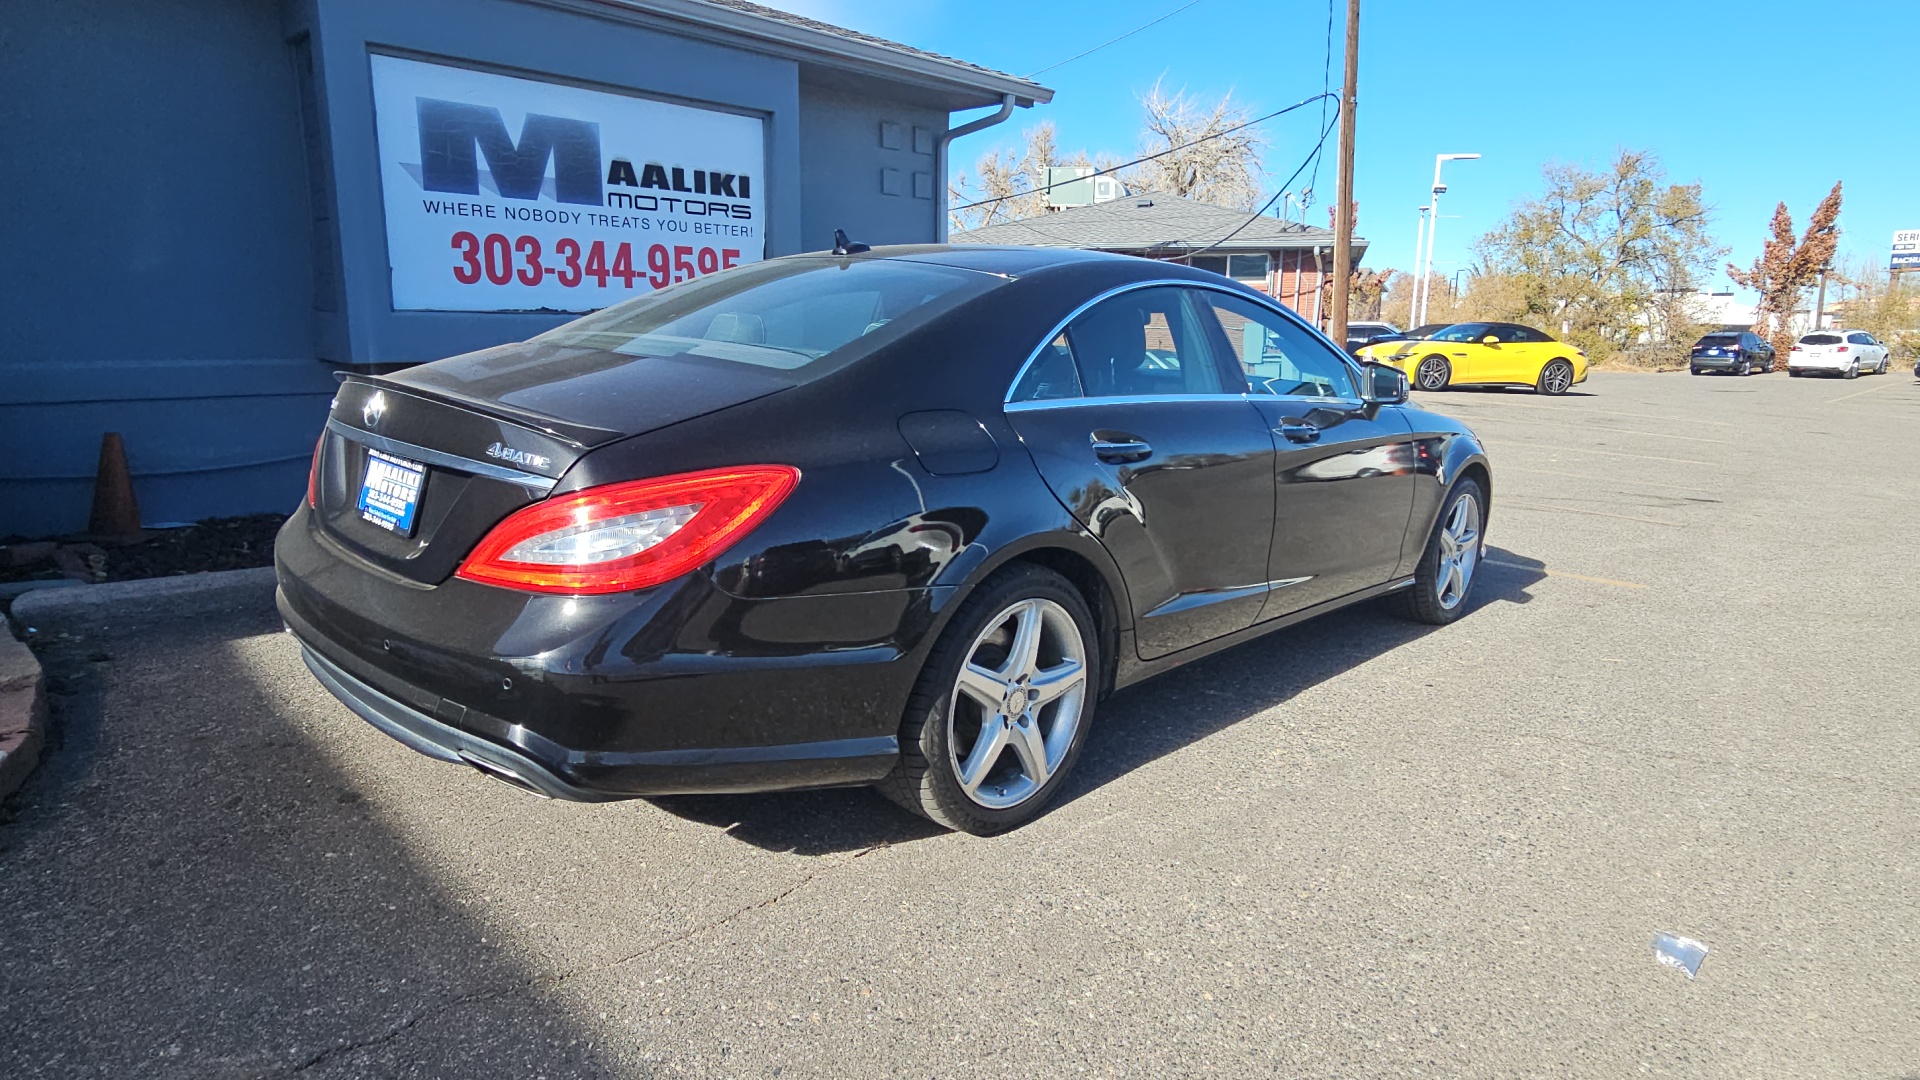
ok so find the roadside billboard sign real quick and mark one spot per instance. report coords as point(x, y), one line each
point(1906, 250)
point(512, 194)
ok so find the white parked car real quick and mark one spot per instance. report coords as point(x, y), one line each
point(1837, 352)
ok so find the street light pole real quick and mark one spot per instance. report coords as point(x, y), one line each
point(1433, 225)
point(1343, 202)
point(1419, 242)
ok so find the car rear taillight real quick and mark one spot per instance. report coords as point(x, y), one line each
point(627, 536)
point(313, 474)
point(1842, 348)
point(1796, 348)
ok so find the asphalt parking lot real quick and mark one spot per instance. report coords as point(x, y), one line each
point(1686, 702)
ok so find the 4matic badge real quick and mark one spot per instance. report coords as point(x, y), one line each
point(504, 452)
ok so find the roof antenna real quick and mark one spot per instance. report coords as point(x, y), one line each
point(844, 246)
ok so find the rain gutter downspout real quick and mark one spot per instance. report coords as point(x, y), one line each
point(940, 158)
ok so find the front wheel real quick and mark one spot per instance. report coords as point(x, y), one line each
point(1556, 378)
point(1444, 577)
point(1434, 373)
point(1002, 706)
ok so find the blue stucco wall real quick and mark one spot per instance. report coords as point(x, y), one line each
point(167, 274)
point(846, 163)
point(156, 278)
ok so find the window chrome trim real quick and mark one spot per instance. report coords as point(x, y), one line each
point(1033, 404)
point(1258, 299)
point(539, 485)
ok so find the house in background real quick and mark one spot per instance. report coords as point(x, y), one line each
point(1284, 259)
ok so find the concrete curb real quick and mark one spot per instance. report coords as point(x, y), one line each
point(23, 713)
point(122, 603)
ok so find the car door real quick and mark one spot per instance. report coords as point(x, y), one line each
point(1343, 469)
point(1150, 441)
point(1465, 352)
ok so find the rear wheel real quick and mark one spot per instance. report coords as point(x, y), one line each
point(1434, 373)
point(1444, 577)
point(1002, 706)
point(1853, 370)
point(1746, 367)
point(1556, 378)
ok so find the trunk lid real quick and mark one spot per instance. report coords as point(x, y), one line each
point(462, 443)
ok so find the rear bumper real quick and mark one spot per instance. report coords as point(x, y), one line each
point(530, 761)
point(682, 689)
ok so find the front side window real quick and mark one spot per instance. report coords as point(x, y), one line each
point(1278, 357)
point(1472, 331)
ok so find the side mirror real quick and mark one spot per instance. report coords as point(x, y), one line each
point(1489, 340)
point(1383, 385)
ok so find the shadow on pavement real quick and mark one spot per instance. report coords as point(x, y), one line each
point(1133, 728)
point(189, 889)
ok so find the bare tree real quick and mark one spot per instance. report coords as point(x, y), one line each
point(1883, 304)
point(1208, 162)
point(1011, 186)
point(1785, 268)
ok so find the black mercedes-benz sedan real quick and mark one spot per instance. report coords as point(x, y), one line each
point(900, 518)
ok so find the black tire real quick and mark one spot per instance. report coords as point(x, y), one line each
point(925, 780)
point(1792, 374)
point(1556, 378)
point(1422, 601)
point(1853, 371)
point(1697, 371)
point(1746, 368)
point(1433, 373)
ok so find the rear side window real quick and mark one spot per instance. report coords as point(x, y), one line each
point(1860, 339)
point(1144, 343)
point(801, 315)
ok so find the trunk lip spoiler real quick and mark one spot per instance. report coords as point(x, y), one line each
point(539, 485)
point(579, 436)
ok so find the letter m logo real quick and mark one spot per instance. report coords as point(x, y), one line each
point(455, 135)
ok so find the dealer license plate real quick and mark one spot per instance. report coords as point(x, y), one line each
point(390, 495)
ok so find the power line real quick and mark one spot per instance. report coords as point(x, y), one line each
point(1151, 157)
point(1312, 155)
point(1116, 41)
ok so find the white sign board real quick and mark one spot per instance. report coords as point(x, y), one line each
point(1906, 248)
point(506, 194)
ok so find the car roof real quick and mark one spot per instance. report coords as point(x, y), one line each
point(988, 258)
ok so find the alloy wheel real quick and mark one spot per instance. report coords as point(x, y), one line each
point(1017, 703)
point(1557, 378)
point(1459, 551)
point(1433, 373)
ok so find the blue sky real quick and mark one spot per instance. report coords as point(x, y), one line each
point(1760, 100)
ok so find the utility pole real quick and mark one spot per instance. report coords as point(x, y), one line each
point(1820, 310)
point(1343, 202)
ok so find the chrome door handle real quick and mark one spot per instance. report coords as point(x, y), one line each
point(1299, 432)
point(1119, 449)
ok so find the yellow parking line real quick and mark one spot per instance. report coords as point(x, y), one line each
point(1869, 390)
point(1593, 513)
point(1564, 574)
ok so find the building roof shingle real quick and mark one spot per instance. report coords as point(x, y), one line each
point(1154, 224)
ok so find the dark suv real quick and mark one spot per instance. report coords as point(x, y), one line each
point(1737, 351)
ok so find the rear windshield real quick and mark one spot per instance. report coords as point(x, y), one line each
point(1717, 341)
point(785, 314)
point(1820, 339)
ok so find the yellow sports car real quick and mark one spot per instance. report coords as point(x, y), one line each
point(1483, 354)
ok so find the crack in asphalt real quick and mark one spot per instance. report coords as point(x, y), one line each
point(407, 1023)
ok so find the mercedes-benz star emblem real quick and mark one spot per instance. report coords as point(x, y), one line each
point(374, 409)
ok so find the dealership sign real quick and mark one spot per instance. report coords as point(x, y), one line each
point(1906, 249)
point(506, 194)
